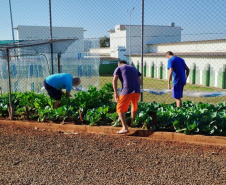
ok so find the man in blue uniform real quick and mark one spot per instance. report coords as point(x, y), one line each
point(177, 68)
point(55, 83)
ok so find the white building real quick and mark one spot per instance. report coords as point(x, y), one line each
point(125, 39)
point(43, 32)
point(206, 59)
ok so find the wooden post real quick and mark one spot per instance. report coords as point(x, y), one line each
point(154, 118)
point(27, 113)
point(80, 116)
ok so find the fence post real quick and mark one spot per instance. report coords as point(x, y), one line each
point(10, 108)
point(51, 34)
point(58, 62)
point(152, 70)
point(208, 75)
point(224, 77)
point(193, 73)
point(145, 67)
point(160, 70)
point(142, 47)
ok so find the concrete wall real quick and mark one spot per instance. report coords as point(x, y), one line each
point(216, 76)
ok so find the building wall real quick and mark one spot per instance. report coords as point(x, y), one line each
point(216, 76)
point(126, 36)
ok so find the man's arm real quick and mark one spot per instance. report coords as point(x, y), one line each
point(170, 77)
point(115, 87)
point(187, 71)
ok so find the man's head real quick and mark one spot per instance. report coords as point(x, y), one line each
point(169, 54)
point(122, 62)
point(76, 82)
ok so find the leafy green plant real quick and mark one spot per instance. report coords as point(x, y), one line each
point(98, 109)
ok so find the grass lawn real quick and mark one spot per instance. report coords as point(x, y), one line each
point(162, 84)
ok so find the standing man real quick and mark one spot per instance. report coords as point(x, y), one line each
point(177, 68)
point(130, 78)
point(55, 83)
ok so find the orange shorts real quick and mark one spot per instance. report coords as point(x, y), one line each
point(124, 102)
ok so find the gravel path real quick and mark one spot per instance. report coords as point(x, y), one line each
point(43, 157)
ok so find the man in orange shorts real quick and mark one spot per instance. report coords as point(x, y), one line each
point(130, 78)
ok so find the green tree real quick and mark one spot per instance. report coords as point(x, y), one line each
point(104, 41)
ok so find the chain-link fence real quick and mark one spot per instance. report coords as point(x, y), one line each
point(109, 31)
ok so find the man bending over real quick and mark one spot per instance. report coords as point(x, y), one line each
point(55, 83)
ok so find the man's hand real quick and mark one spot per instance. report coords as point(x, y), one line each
point(169, 86)
point(116, 97)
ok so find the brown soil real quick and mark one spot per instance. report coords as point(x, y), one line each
point(43, 157)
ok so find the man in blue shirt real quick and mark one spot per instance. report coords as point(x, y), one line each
point(177, 68)
point(56, 82)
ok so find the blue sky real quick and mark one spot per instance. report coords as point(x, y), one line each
point(199, 19)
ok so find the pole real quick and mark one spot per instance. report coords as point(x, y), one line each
point(10, 9)
point(129, 35)
point(10, 96)
point(130, 12)
point(51, 33)
point(58, 62)
point(142, 46)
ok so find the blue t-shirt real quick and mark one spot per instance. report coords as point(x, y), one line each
point(178, 65)
point(60, 81)
point(128, 76)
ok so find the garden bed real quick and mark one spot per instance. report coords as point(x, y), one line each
point(96, 108)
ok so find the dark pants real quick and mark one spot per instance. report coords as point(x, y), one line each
point(53, 92)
